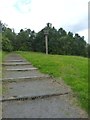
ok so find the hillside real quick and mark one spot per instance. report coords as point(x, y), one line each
point(72, 69)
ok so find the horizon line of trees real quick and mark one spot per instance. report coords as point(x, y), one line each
point(59, 41)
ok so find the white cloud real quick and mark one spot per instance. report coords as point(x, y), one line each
point(34, 14)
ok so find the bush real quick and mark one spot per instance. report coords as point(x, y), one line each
point(6, 44)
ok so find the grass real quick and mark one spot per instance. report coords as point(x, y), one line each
point(0, 72)
point(72, 69)
point(2, 57)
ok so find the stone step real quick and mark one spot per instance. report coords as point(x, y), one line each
point(23, 69)
point(13, 56)
point(21, 74)
point(51, 107)
point(35, 89)
point(33, 97)
point(16, 63)
point(20, 79)
point(15, 60)
point(18, 67)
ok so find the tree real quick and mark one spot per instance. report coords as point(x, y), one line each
point(79, 45)
point(88, 50)
point(62, 32)
point(21, 40)
point(59, 41)
point(6, 44)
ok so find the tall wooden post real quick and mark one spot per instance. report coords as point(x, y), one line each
point(46, 39)
point(46, 42)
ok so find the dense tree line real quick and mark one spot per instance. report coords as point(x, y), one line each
point(59, 41)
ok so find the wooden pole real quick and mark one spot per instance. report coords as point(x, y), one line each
point(46, 41)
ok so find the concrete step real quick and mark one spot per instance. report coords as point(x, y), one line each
point(18, 67)
point(51, 107)
point(33, 97)
point(23, 69)
point(16, 63)
point(20, 79)
point(35, 89)
point(13, 56)
point(19, 60)
point(21, 74)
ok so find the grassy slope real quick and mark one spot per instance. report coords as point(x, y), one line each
point(72, 69)
point(2, 57)
point(0, 72)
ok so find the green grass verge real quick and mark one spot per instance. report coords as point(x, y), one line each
point(0, 72)
point(72, 69)
point(2, 57)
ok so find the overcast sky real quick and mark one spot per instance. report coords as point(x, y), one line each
point(72, 15)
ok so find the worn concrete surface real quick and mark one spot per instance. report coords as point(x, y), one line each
point(52, 107)
point(35, 88)
point(18, 74)
point(48, 107)
point(15, 63)
point(23, 69)
point(14, 56)
point(18, 67)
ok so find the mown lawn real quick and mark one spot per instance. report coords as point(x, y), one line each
point(72, 69)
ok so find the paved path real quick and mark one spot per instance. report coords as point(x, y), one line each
point(31, 94)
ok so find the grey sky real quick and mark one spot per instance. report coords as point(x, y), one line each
point(72, 15)
point(81, 25)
